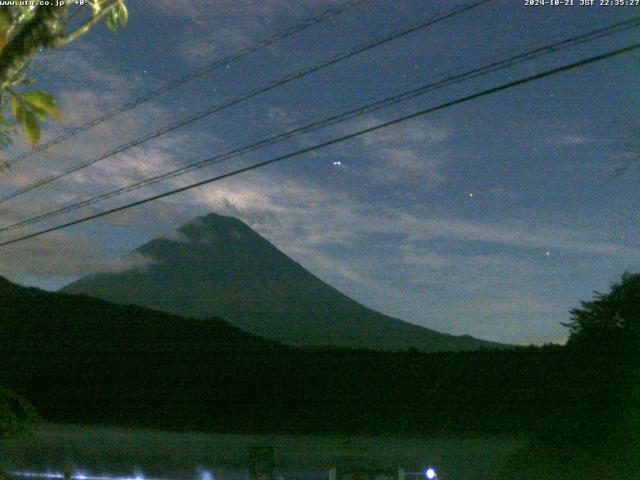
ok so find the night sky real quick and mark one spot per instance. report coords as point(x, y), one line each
point(492, 218)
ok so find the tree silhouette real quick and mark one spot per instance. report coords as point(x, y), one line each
point(606, 334)
point(611, 321)
point(27, 28)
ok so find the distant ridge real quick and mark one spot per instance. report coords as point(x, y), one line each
point(34, 319)
point(218, 266)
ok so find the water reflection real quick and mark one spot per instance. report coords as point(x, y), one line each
point(260, 468)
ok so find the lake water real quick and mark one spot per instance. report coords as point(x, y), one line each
point(194, 456)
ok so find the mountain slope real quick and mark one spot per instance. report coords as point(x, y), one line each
point(36, 320)
point(218, 266)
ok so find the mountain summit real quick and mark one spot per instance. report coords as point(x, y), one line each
point(218, 266)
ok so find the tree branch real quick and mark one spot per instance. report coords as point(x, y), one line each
point(38, 32)
point(84, 28)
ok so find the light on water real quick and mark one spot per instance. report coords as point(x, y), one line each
point(205, 474)
point(139, 475)
point(37, 474)
point(82, 476)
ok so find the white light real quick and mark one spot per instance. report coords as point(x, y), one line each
point(431, 473)
point(338, 163)
point(80, 476)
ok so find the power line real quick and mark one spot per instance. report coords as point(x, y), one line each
point(495, 66)
point(431, 20)
point(504, 86)
point(342, 116)
point(219, 63)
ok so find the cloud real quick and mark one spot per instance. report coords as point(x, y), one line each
point(382, 256)
point(318, 215)
point(94, 88)
point(89, 65)
point(214, 45)
point(406, 164)
point(79, 106)
point(413, 152)
point(176, 236)
point(387, 259)
point(515, 234)
point(64, 254)
point(133, 261)
point(221, 26)
point(569, 140)
point(250, 12)
point(417, 133)
point(84, 81)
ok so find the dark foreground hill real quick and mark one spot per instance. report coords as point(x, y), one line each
point(83, 360)
point(218, 266)
point(80, 359)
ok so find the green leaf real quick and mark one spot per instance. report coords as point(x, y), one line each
point(31, 128)
point(112, 19)
point(40, 113)
point(123, 14)
point(42, 102)
point(96, 7)
point(18, 110)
